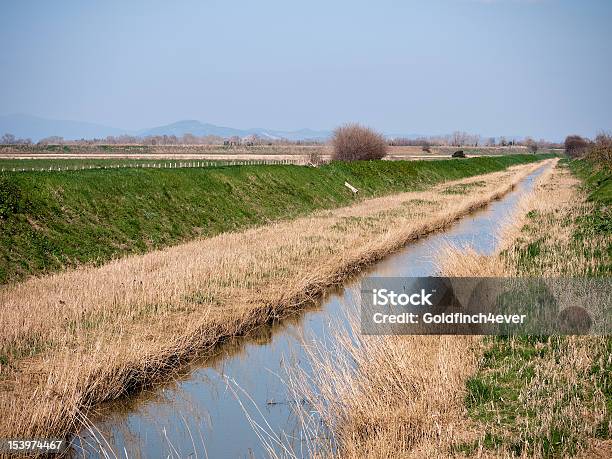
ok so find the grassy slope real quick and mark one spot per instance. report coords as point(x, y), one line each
point(496, 392)
point(52, 220)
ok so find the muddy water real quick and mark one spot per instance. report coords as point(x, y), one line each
point(205, 411)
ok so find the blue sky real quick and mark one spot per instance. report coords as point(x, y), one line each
point(494, 67)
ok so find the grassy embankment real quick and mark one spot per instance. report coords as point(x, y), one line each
point(53, 220)
point(108, 330)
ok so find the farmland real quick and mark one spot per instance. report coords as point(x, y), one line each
point(63, 156)
point(306, 230)
point(170, 299)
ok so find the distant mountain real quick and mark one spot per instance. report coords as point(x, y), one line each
point(36, 128)
point(202, 129)
point(192, 127)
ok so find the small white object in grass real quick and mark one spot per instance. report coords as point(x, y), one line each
point(351, 187)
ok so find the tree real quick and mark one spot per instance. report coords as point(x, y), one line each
point(532, 145)
point(459, 138)
point(576, 146)
point(52, 140)
point(7, 139)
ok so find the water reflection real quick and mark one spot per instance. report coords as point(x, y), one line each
point(221, 407)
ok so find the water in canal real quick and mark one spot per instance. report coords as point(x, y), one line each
point(203, 413)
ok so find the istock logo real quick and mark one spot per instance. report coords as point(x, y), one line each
point(384, 297)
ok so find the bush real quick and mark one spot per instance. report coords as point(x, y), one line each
point(601, 150)
point(576, 146)
point(353, 142)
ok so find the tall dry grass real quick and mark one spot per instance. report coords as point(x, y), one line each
point(392, 396)
point(564, 394)
point(81, 337)
point(405, 396)
point(600, 152)
point(387, 396)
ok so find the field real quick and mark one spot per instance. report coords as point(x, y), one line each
point(306, 230)
point(40, 156)
point(111, 329)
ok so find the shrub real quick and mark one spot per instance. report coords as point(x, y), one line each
point(601, 150)
point(576, 146)
point(354, 142)
point(426, 147)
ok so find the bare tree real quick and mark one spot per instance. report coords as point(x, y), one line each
point(576, 146)
point(8, 139)
point(532, 145)
point(51, 140)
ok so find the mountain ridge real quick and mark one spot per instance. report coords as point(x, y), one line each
point(36, 128)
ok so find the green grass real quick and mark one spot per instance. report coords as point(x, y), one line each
point(54, 220)
point(494, 398)
point(497, 393)
point(596, 223)
point(597, 181)
point(79, 148)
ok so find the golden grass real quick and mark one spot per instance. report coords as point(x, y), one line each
point(81, 337)
point(395, 396)
point(388, 396)
point(403, 396)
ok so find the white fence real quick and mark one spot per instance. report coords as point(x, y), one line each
point(156, 165)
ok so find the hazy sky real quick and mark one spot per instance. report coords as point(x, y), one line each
point(494, 67)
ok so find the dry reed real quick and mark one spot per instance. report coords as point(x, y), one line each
point(395, 396)
point(403, 396)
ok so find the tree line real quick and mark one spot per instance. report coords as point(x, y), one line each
point(464, 139)
point(456, 139)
